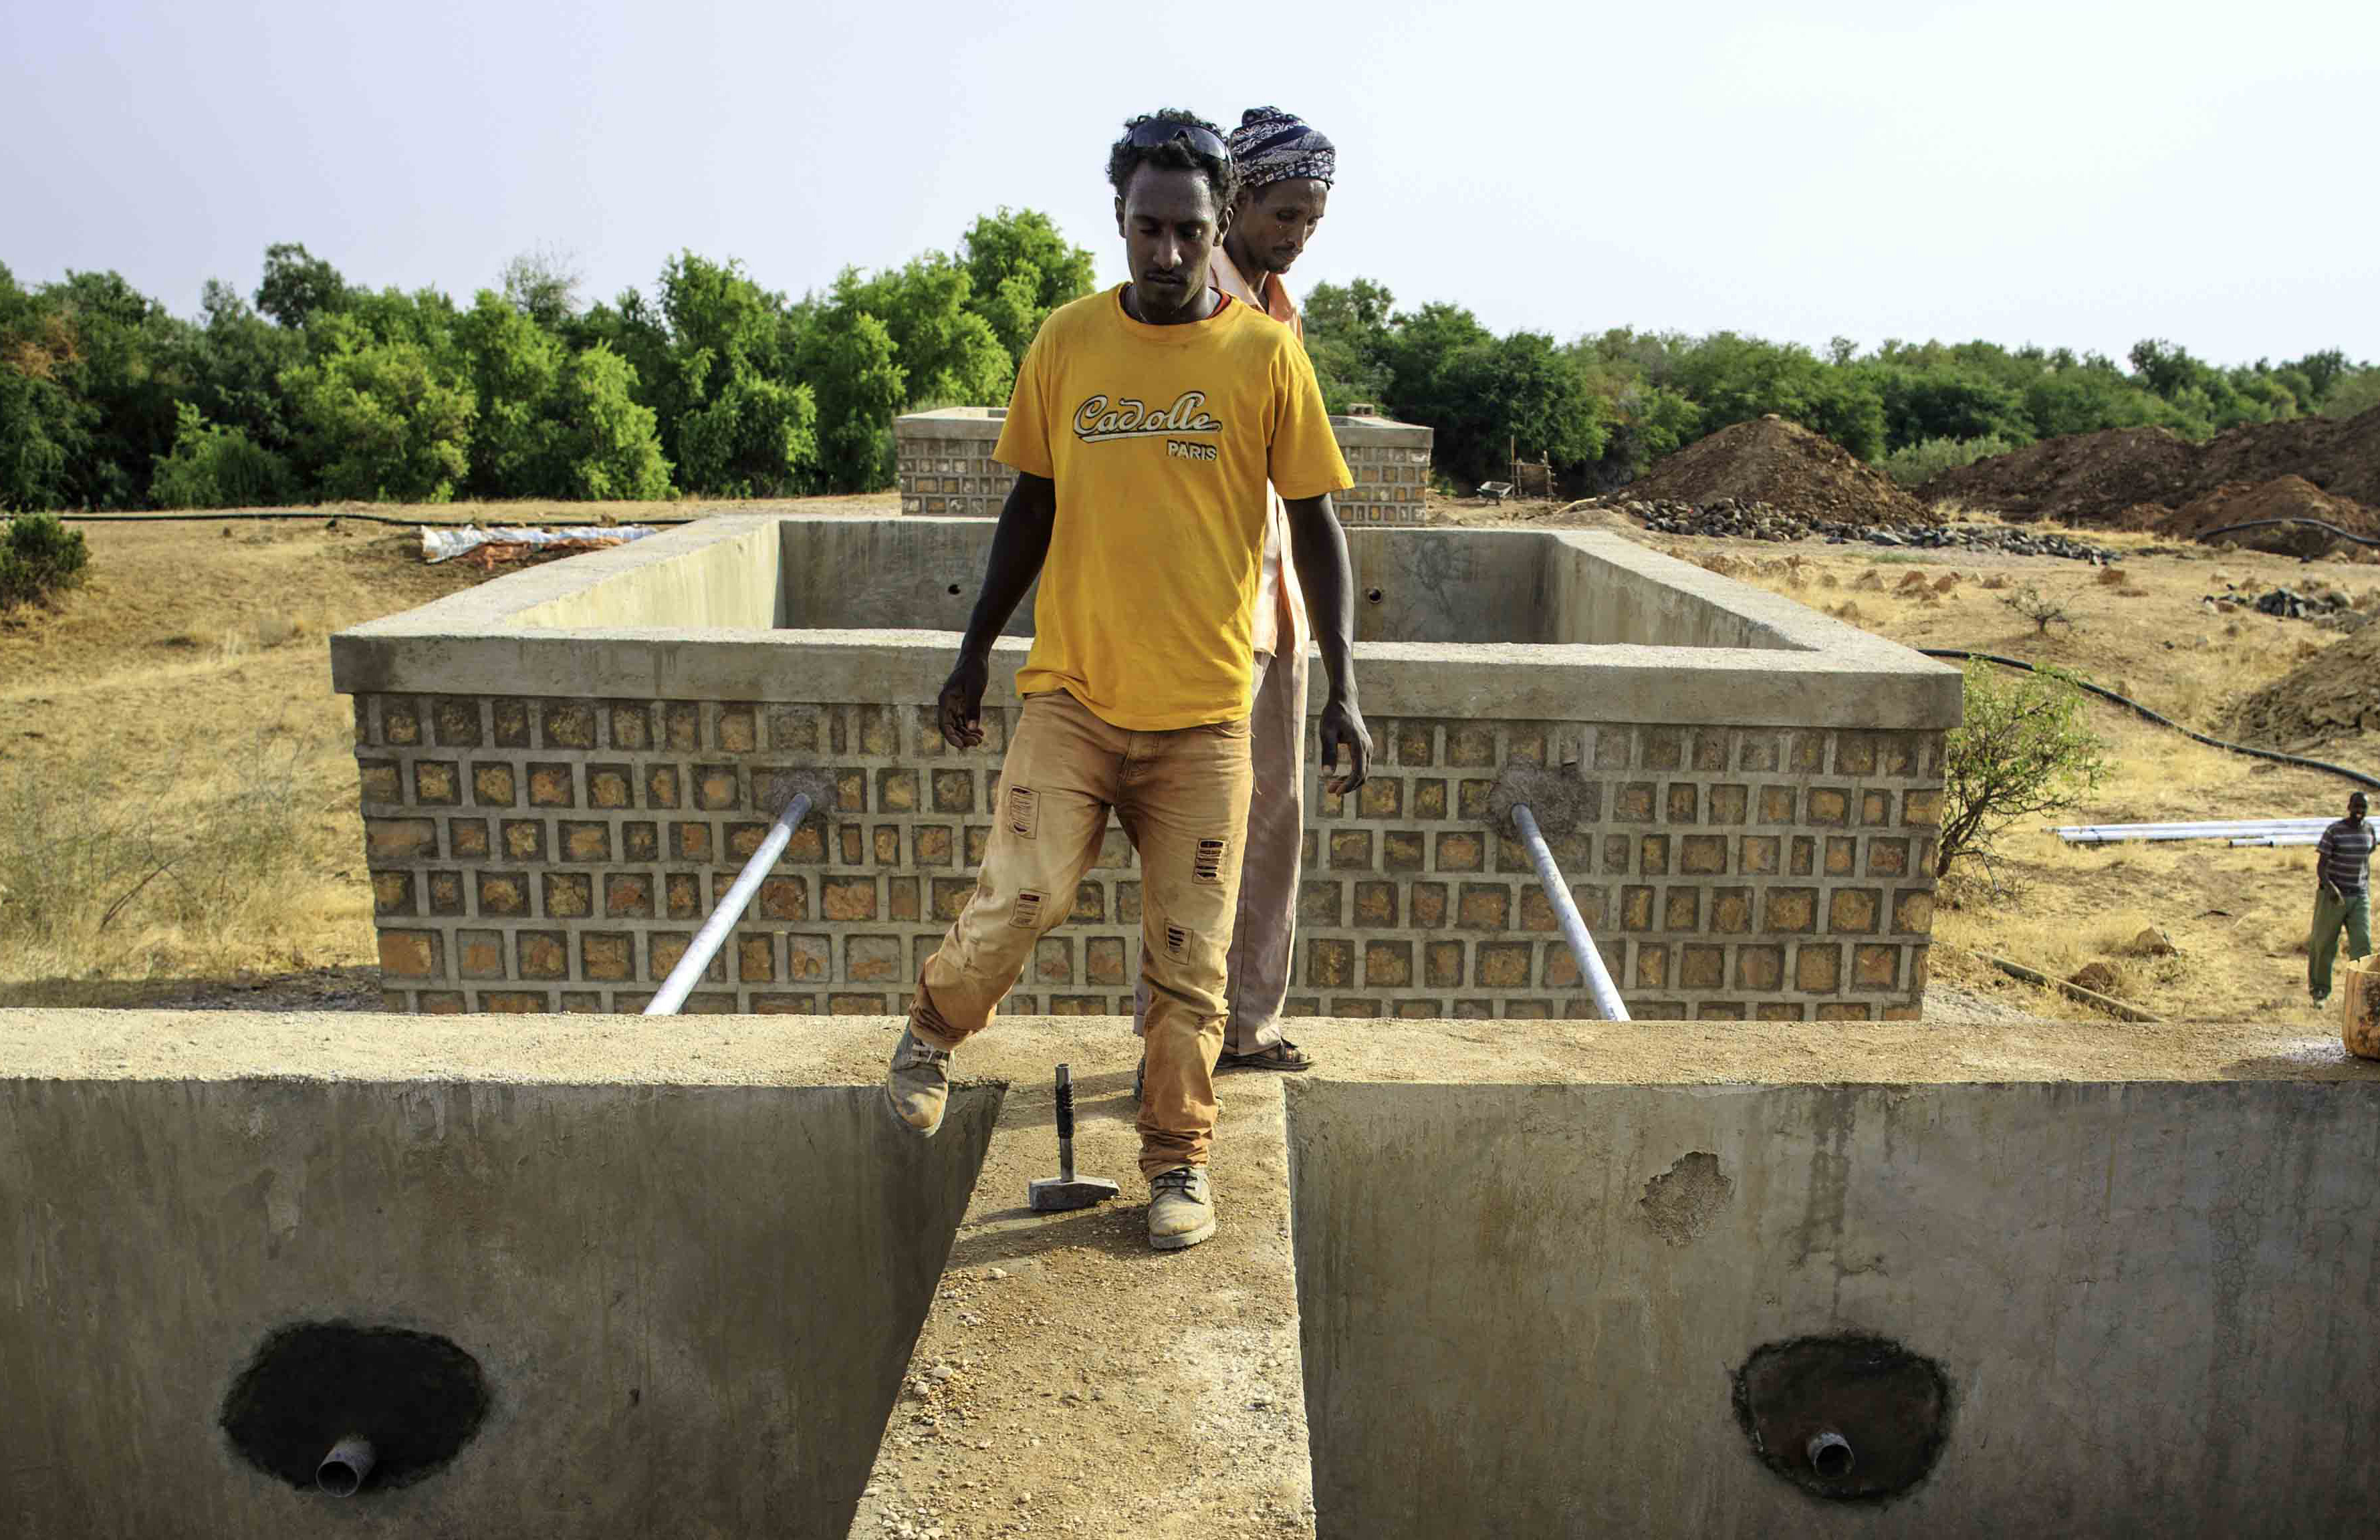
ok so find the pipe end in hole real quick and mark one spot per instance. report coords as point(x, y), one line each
point(342, 1470)
point(1831, 1455)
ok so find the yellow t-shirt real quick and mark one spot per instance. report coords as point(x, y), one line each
point(1160, 440)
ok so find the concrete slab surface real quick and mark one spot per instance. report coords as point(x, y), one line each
point(1467, 1205)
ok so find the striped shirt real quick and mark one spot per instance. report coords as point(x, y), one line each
point(2343, 854)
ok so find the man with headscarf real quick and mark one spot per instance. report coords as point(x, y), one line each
point(1286, 169)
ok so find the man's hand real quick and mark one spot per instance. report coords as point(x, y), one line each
point(962, 701)
point(1342, 726)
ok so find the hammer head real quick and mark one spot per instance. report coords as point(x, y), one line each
point(1057, 1193)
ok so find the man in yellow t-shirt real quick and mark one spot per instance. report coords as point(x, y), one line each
point(1145, 425)
point(1286, 170)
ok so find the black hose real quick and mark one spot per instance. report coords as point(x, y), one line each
point(326, 514)
point(2269, 523)
point(2275, 756)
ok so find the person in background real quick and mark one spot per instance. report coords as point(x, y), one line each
point(2341, 896)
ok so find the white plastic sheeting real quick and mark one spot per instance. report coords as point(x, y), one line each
point(446, 542)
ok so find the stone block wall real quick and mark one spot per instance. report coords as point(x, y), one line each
point(537, 854)
point(945, 466)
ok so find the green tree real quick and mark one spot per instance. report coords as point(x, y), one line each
point(381, 420)
point(1019, 269)
point(298, 285)
point(713, 360)
point(43, 430)
point(1732, 377)
point(233, 360)
point(947, 352)
point(851, 361)
point(120, 371)
point(606, 444)
point(515, 367)
point(548, 422)
point(543, 286)
point(1347, 336)
point(2353, 395)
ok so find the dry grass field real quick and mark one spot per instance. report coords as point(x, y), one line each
point(177, 793)
point(2234, 918)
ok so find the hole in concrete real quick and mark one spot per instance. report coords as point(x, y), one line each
point(1685, 1200)
point(952, 590)
point(416, 1397)
point(1848, 1418)
point(1372, 594)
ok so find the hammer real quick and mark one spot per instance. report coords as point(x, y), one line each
point(1066, 1190)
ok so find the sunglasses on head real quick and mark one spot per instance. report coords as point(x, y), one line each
point(1157, 131)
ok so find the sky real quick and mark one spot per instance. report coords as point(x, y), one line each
point(2083, 173)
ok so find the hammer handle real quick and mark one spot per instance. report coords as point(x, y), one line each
point(1067, 1121)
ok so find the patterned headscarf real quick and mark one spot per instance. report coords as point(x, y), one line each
point(1271, 146)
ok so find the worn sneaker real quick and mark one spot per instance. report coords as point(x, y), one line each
point(1284, 1056)
point(1180, 1212)
point(918, 1085)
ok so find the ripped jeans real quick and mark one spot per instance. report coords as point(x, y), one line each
point(1182, 799)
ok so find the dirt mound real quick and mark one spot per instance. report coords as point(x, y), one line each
point(2082, 478)
point(1784, 464)
point(2334, 694)
point(2341, 456)
point(2283, 497)
point(2095, 477)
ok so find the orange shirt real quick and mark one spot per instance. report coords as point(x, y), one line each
point(1280, 604)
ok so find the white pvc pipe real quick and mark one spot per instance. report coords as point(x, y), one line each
point(2126, 833)
point(2208, 826)
point(1573, 929)
point(713, 934)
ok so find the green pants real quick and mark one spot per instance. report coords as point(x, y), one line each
point(2331, 910)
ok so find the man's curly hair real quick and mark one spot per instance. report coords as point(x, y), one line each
point(1176, 154)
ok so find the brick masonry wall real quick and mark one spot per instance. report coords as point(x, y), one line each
point(559, 855)
point(956, 477)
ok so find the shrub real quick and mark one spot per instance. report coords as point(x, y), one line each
point(39, 556)
point(214, 467)
point(2022, 750)
point(1920, 463)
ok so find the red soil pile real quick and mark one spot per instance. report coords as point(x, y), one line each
point(1784, 464)
point(2283, 497)
point(2103, 478)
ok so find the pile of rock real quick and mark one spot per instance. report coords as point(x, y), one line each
point(1727, 518)
point(2327, 607)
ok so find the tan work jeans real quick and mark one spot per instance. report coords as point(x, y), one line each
point(1182, 799)
point(1265, 933)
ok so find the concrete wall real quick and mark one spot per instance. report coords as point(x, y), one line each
point(945, 468)
point(669, 1351)
point(549, 811)
point(2152, 1302)
point(684, 577)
